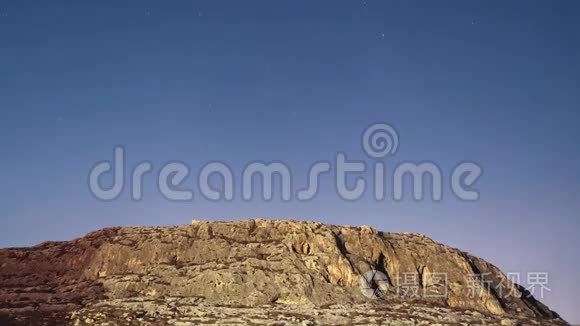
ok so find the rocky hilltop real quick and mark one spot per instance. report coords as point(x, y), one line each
point(257, 272)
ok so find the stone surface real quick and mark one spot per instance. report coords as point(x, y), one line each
point(255, 271)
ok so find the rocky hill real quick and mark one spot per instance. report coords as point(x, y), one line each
point(257, 272)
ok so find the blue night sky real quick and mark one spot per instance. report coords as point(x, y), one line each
point(495, 82)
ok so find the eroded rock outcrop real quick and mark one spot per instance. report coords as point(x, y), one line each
point(251, 264)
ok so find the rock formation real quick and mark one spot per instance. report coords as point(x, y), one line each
point(257, 271)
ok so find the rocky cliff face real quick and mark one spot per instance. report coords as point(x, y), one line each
point(303, 272)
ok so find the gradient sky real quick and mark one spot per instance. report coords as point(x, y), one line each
point(494, 82)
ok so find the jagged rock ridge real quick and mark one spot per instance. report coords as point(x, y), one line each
point(248, 265)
